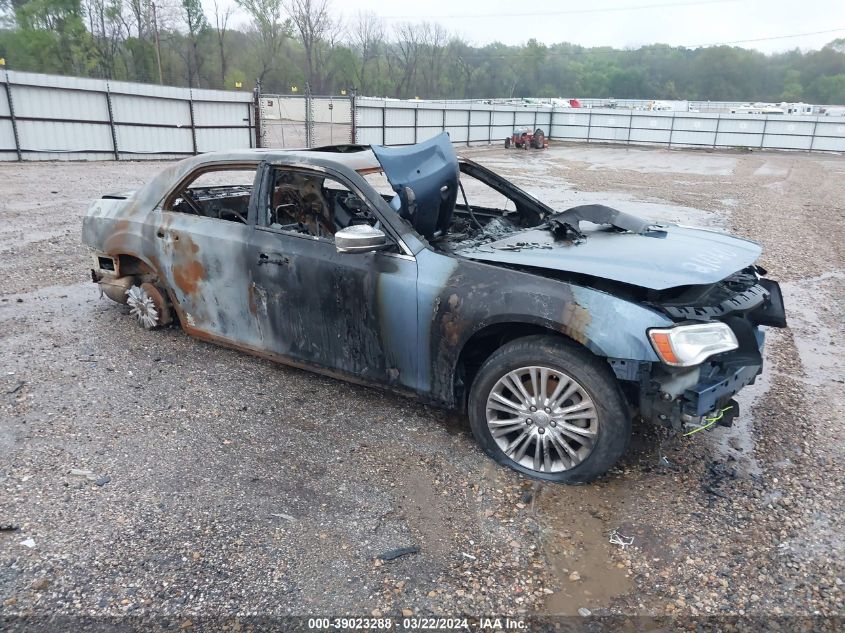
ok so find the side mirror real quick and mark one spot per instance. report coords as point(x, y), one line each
point(359, 238)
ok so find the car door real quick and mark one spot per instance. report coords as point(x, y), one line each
point(353, 313)
point(202, 242)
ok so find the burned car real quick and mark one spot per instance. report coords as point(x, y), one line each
point(551, 329)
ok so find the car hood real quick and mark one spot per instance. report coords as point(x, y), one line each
point(666, 258)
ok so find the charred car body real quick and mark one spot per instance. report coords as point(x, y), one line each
point(552, 330)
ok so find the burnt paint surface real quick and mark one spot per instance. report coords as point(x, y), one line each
point(376, 318)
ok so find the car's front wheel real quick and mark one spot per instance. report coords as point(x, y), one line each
point(548, 408)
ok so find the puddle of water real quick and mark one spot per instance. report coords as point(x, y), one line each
point(770, 168)
point(819, 344)
point(737, 441)
point(651, 209)
point(575, 544)
point(532, 173)
point(646, 160)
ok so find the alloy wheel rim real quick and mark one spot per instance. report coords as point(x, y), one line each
point(142, 307)
point(542, 419)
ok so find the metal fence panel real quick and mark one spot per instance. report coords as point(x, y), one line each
point(456, 118)
point(399, 136)
point(136, 109)
point(155, 142)
point(427, 117)
point(399, 117)
point(501, 132)
point(786, 141)
point(58, 137)
point(479, 117)
point(70, 117)
point(503, 118)
point(220, 139)
point(457, 134)
point(738, 139)
point(651, 135)
point(742, 124)
point(426, 133)
point(7, 138)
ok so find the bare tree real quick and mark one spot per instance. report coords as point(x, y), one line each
point(367, 34)
point(433, 40)
point(105, 23)
point(271, 28)
point(406, 54)
point(196, 22)
point(313, 24)
point(221, 22)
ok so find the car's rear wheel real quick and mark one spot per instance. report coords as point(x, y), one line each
point(508, 143)
point(548, 408)
point(539, 139)
point(149, 306)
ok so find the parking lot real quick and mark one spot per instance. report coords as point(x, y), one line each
point(149, 473)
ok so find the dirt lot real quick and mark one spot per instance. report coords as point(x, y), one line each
point(224, 484)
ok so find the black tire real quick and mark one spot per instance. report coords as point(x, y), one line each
point(539, 139)
point(508, 143)
point(592, 375)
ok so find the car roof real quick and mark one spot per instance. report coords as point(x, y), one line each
point(359, 158)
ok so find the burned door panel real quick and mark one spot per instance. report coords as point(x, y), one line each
point(339, 311)
point(203, 263)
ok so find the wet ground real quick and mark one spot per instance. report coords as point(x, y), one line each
point(149, 473)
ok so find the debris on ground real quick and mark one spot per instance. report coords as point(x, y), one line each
point(397, 553)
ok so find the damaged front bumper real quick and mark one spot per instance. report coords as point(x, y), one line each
point(705, 394)
point(690, 396)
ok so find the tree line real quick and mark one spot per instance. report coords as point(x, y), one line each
point(293, 42)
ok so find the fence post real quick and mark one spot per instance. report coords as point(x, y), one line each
point(535, 119)
point(416, 122)
point(191, 112)
point(763, 135)
point(490, 127)
point(552, 121)
point(671, 129)
point(111, 123)
point(716, 133)
point(813, 135)
point(256, 111)
point(309, 117)
point(384, 124)
point(12, 116)
point(630, 124)
point(589, 125)
point(353, 104)
point(469, 124)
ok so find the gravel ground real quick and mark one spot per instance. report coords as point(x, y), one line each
point(155, 474)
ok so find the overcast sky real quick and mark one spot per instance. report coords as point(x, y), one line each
point(619, 23)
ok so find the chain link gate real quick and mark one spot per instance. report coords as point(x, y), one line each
point(288, 121)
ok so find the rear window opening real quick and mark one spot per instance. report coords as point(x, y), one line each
point(106, 263)
point(221, 193)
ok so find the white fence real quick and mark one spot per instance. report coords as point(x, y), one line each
point(403, 122)
point(48, 117)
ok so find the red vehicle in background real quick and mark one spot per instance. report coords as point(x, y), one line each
point(523, 138)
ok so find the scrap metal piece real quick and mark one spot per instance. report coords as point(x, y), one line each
point(567, 224)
